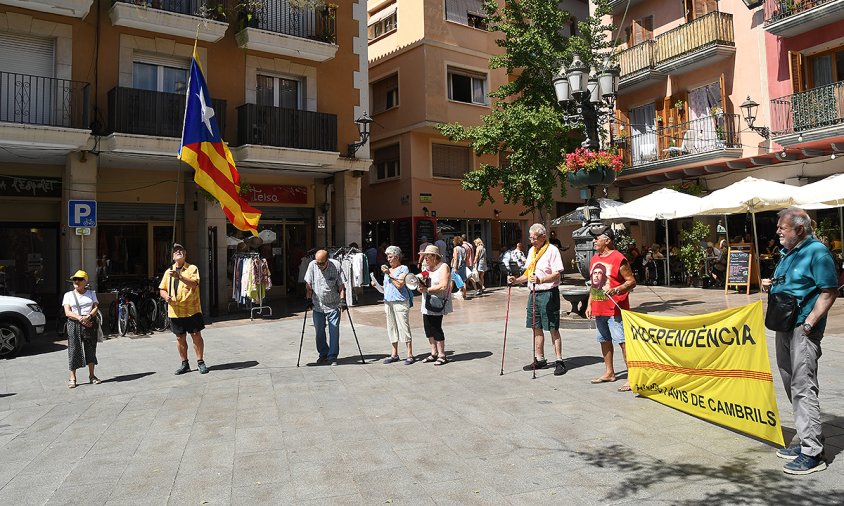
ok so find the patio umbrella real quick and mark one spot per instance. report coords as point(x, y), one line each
point(828, 192)
point(664, 204)
point(577, 217)
point(750, 195)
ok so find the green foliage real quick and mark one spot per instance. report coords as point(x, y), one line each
point(526, 122)
point(827, 228)
point(692, 254)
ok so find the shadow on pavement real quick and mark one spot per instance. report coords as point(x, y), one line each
point(8, 395)
point(233, 365)
point(463, 357)
point(656, 306)
point(128, 377)
point(737, 479)
point(582, 361)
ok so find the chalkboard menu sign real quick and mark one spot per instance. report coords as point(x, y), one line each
point(404, 240)
point(738, 268)
point(425, 227)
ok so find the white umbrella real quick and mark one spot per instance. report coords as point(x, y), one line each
point(267, 236)
point(232, 241)
point(749, 195)
point(828, 192)
point(664, 204)
point(577, 216)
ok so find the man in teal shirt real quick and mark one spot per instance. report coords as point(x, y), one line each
point(806, 271)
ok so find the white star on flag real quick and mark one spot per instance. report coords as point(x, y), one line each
point(207, 112)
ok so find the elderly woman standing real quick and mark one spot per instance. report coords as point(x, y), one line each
point(437, 293)
point(81, 307)
point(397, 302)
point(480, 263)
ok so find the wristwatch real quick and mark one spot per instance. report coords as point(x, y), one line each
point(807, 327)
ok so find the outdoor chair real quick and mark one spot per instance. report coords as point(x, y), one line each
point(685, 148)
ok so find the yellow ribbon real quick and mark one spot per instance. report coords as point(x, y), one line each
point(536, 256)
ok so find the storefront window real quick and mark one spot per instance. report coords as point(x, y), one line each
point(122, 249)
point(29, 264)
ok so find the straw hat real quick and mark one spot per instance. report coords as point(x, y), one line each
point(432, 250)
point(80, 274)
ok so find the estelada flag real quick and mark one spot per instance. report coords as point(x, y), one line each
point(204, 150)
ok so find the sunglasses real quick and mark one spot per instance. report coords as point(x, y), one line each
point(77, 279)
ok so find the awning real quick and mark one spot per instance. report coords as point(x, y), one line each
point(383, 14)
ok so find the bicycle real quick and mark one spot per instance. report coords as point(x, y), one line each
point(123, 315)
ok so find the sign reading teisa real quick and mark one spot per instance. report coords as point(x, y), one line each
point(81, 213)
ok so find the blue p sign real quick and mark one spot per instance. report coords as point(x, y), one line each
point(82, 213)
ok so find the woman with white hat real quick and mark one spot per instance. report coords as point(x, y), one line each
point(81, 308)
point(437, 302)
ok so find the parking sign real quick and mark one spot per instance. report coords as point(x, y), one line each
point(82, 213)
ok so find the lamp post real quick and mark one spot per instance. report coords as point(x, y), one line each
point(593, 93)
point(750, 107)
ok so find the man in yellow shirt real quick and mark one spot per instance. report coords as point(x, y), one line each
point(180, 289)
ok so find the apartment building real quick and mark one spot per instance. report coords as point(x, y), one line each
point(686, 70)
point(429, 64)
point(91, 108)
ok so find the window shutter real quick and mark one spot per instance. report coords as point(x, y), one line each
point(648, 28)
point(450, 161)
point(795, 68)
point(22, 54)
point(380, 90)
point(722, 83)
point(628, 35)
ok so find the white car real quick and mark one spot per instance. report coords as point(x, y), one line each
point(20, 321)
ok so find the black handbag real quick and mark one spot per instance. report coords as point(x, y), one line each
point(782, 312)
point(434, 303)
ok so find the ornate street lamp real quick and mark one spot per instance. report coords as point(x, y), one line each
point(363, 130)
point(577, 77)
point(750, 107)
point(561, 86)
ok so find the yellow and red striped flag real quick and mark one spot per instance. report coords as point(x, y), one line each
point(204, 150)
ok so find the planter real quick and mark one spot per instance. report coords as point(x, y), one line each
point(586, 178)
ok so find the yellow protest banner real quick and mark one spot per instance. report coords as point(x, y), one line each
point(714, 366)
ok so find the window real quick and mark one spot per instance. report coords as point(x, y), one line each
point(387, 163)
point(383, 22)
point(160, 73)
point(466, 87)
point(450, 161)
point(385, 94)
point(278, 92)
point(826, 68)
point(640, 30)
point(466, 12)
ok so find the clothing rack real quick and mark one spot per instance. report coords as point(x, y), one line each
point(252, 307)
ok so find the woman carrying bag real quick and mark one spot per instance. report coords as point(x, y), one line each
point(81, 308)
point(437, 302)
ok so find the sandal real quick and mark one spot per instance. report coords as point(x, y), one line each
point(441, 361)
point(95, 380)
point(431, 358)
point(71, 384)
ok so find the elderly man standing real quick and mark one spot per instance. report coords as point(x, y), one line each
point(180, 290)
point(325, 287)
point(544, 272)
point(806, 272)
point(612, 279)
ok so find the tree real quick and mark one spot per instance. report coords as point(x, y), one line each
point(526, 123)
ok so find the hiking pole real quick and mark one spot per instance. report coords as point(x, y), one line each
point(533, 324)
point(349, 314)
point(302, 340)
point(506, 322)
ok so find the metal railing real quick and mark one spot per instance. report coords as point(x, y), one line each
point(280, 16)
point(715, 28)
point(286, 128)
point(636, 58)
point(144, 112)
point(35, 100)
point(702, 135)
point(777, 10)
point(189, 7)
point(816, 108)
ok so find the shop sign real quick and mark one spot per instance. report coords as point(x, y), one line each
point(83, 231)
point(320, 221)
point(30, 186)
point(425, 197)
point(277, 194)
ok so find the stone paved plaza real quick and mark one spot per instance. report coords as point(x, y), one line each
point(259, 430)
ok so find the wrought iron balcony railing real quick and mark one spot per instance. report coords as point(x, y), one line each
point(286, 128)
point(34, 100)
point(143, 112)
point(715, 28)
point(703, 135)
point(189, 7)
point(777, 10)
point(816, 108)
point(280, 16)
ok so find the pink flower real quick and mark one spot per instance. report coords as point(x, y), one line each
point(584, 159)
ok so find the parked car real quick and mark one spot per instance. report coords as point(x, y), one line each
point(20, 321)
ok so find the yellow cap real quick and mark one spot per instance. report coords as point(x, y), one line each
point(80, 274)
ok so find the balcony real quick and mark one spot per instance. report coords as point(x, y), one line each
point(72, 8)
point(286, 30)
point(172, 17)
point(637, 66)
point(46, 101)
point(154, 113)
point(787, 18)
point(699, 43)
point(813, 115)
point(286, 128)
point(618, 6)
point(704, 139)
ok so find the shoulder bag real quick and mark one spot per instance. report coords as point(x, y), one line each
point(782, 312)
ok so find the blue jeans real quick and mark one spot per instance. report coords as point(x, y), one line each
point(333, 349)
